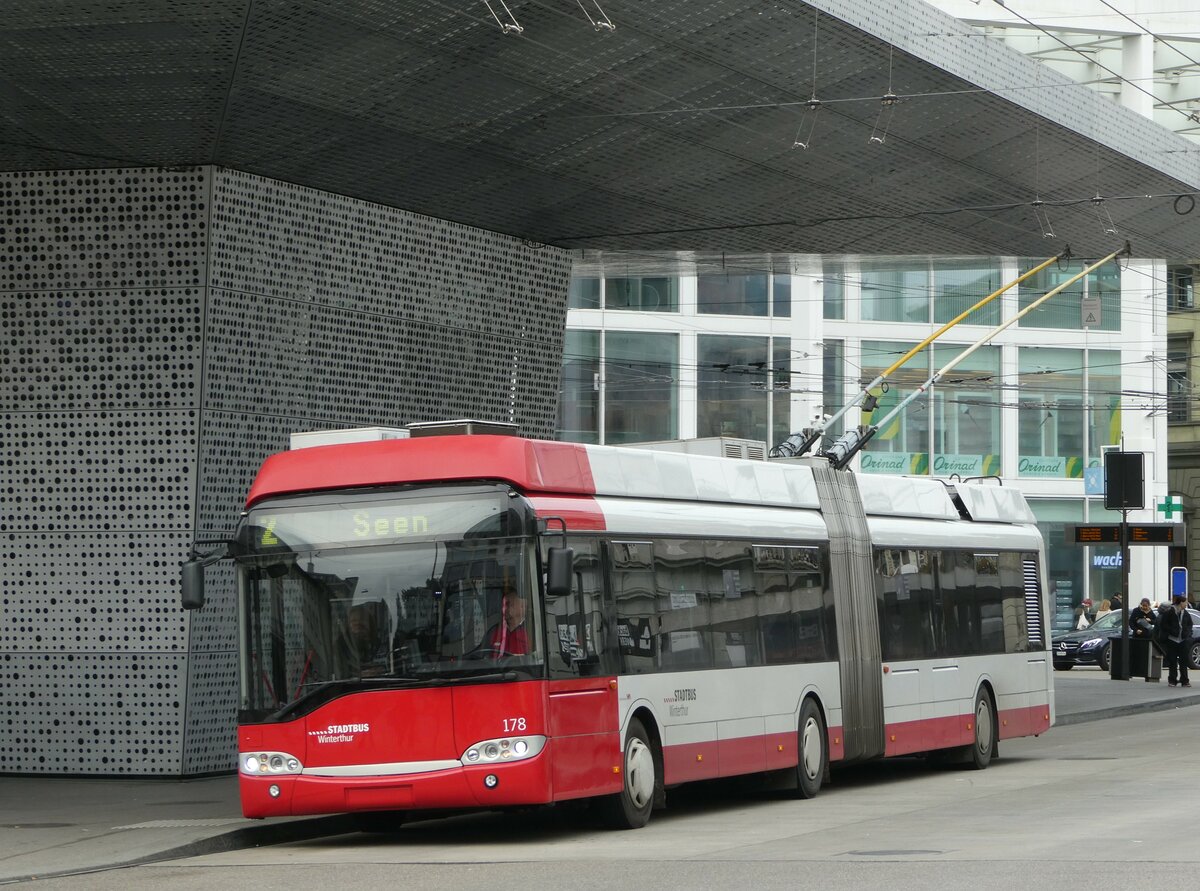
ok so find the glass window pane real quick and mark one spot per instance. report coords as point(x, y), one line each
point(902, 444)
point(960, 284)
point(781, 398)
point(736, 294)
point(732, 391)
point(645, 294)
point(684, 637)
point(967, 413)
point(833, 287)
point(734, 604)
point(1104, 400)
point(641, 394)
point(1178, 381)
point(1063, 309)
point(781, 295)
point(833, 384)
point(579, 393)
point(895, 291)
point(584, 293)
point(1050, 422)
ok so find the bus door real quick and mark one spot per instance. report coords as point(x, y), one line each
point(852, 576)
point(582, 693)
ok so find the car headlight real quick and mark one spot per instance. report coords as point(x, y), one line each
point(1091, 644)
point(497, 751)
point(261, 764)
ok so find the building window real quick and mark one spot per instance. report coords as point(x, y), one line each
point(641, 390)
point(901, 445)
point(781, 295)
point(1179, 395)
point(579, 392)
point(644, 294)
point(732, 293)
point(1063, 309)
point(895, 291)
point(833, 386)
point(1179, 288)
point(584, 293)
point(833, 290)
point(732, 379)
point(960, 284)
point(781, 389)
point(1056, 397)
point(966, 413)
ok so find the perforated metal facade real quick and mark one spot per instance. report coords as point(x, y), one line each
point(160, 333)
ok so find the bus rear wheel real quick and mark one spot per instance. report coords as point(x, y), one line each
point(813, 752)
point(984, 747)
point(630, 808)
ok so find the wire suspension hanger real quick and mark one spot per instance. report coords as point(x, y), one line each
point(512, 26)
point(600, 22)
point(808, 118)
point(1039, 206)
point(887, 107)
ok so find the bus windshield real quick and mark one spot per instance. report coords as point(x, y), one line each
point(325, 609)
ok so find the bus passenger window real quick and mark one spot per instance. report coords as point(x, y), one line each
point(683, 605)
point(577, 624)
point(631, 574)
point(733, 608)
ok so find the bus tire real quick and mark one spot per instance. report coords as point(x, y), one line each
point(630, 808)
point(984, 748)
point(812, 761)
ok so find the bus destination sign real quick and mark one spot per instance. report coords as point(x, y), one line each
point(1139, 533)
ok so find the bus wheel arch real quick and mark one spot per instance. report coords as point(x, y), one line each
point(812, 749)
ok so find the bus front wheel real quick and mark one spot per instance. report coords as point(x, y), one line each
point(630, 808)
point(813, 759)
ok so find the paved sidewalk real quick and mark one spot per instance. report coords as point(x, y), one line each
point(51, 826)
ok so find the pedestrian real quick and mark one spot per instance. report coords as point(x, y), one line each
point(1175, 637)
point(1081, 619)
point(1114, 602)
point(1143, 620)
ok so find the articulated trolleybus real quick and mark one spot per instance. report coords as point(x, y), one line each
point(486, 621)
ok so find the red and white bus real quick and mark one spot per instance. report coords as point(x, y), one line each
point(682, 618)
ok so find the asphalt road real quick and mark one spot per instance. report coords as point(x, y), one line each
point(1107, 804)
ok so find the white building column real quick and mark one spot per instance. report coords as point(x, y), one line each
point(687, 382)
point(1137, 70)
point(807, 333)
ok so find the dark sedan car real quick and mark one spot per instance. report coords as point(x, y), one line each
point(1091, 646)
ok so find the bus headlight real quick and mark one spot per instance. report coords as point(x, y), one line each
point(512, 748)
point(261, 764)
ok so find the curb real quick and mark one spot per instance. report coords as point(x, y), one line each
point(235, 840)
point(1118, 711)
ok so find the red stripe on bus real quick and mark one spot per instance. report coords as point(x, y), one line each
point(581, 513)
point(908, 737)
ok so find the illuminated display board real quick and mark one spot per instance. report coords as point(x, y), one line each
point(1139, 533)
point(375, 521)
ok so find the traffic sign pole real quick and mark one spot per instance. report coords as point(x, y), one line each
point(1126, 594)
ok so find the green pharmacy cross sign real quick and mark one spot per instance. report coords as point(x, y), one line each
point(1169, 506)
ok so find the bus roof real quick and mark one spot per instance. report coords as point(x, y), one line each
point(544, 467)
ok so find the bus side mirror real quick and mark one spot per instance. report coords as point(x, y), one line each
point(192, 577)
point(560, 566)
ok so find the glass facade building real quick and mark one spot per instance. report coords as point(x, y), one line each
point(762, 353)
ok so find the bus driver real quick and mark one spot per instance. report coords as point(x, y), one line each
point(508, 637)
